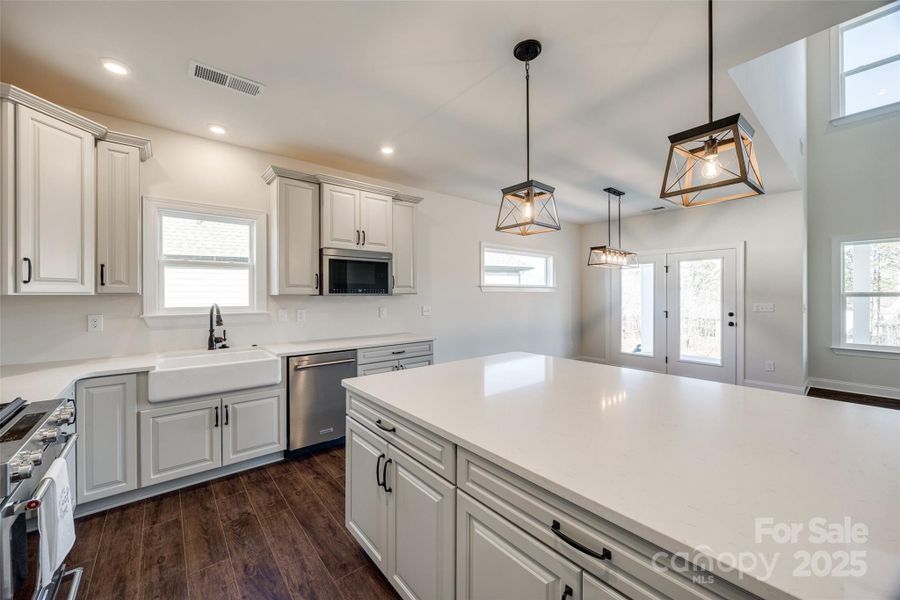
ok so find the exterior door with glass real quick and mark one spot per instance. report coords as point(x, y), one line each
point(701, 296)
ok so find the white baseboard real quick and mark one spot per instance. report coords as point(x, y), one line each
point(592, 359)
point(881, 391)
point(775, 387)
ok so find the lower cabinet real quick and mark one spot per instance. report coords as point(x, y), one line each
point(496, 559)
point(185, 439)
point(402, 514)
point(106, 449)
point(594, 589)
point(394, 365)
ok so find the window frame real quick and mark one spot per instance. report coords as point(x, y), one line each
point(838, 76)
point(493, 287)
point(839, 343)
point(153, 261)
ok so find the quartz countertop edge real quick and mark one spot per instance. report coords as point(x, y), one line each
point(50, 380)
point(404, 394)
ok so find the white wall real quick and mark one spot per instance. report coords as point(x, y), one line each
point(466, 321)
point(854, 189)
point(772, 228)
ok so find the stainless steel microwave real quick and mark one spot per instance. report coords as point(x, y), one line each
point(356, 273)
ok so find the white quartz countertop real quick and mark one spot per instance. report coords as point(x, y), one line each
point(693, 466)
point(44, 381)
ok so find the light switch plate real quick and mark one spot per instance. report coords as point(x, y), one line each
point(301, 315)
point(382, 312)
point(282, 315)
point(426, 310)
point(95, 323)
point(764, 307)
point(770, 365)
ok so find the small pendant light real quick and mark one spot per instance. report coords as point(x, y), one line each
point(608, 256)
point(528, 207)
point(714, 162)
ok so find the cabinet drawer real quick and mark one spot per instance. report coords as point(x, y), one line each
point(376, 368)
point(634, 568)
point(434, 452)
point(382, 353)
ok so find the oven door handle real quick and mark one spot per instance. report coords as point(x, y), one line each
point(37, 497)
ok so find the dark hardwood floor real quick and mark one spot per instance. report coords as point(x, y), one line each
point(272, 533)
point(855, 398)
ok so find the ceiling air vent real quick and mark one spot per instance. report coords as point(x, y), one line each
point(225, 79)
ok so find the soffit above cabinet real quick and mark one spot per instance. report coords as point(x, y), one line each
point(272, 172)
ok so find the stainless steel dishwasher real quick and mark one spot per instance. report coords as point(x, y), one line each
point(316, 398)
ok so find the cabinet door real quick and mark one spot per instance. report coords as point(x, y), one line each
point(54, 205)
point(376, 221)
point(496, 559)
point(404, 236)
point(415, 363)
point(106, 449)
point(340, 217)
point(180, 440)
point(594, 589)
point(375, 368)
point(366, 501)
point(252, 425)
point(421, 530)
point(294, 238)
point(118, 219)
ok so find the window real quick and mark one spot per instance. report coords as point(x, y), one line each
point(866, 63)
point(869, 299)
point(636, 306)
point(509, 268)
point(197, 255)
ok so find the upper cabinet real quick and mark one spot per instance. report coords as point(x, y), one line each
point(293, 236)
point(404, 249)
point(70, 211)
point(118, 219)
point(356, 220)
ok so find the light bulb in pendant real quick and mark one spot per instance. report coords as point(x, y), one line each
point(711, 166)
point(527, 210)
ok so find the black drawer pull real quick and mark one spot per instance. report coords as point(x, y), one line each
point(398, 352)
point(604, 555)
point(384, 475)
point(216, 424)
point(27, 262)
point(102, 274)
point(567, 592)
point(377, 469)
point(383, 428)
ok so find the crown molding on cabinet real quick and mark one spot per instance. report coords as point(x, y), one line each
point(20, 96)
point(142, 144)
point(272, 172)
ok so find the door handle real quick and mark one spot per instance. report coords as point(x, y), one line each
point(216, 424)
point(377, 469)
point(298, 367)
point(731, 323)
point(568, 592)
point(384, 475)
point(226, 415)
point(605, 554)
point(364, 237)
point(317, 281)
point(27, 262)
point(102, 274)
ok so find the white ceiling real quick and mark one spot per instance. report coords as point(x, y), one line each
point(435, 80)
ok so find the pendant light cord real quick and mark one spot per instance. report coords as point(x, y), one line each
point(527, 124)
point(619, 219)
point(710, 65)
point(608, 220)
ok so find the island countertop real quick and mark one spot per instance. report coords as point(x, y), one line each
point(694, 466)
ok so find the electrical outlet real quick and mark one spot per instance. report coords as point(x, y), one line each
point(95, 323)
point(764, 307)
point(426, 310)
point(301, 315)
point(382, 312)
point(770, 365)
point(282, 315)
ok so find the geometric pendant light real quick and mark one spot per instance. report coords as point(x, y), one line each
point(528, 207)
point(714, 162)
point(609, 256)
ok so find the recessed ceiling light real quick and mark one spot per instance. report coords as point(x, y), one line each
point(387, 150)
point(115, 67)
point(217, 129)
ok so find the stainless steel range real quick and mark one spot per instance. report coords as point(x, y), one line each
point(32, 436)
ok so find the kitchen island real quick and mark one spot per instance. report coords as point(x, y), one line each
point(521, 475)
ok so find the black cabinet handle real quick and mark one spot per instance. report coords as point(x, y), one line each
point(383, 428)
point(102, 274)
point(377, 469)
point(226, 414)
point(398, 352)
point(731, 314)
point(317, 281)
point(731, 323)
point(605, 554)
point(568, 591)
point(364, 237)
point(216, 424)
point(384, 475)
point(357, 237)
point(27, 262)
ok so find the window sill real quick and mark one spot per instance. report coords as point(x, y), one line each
point(867, 352)
point(513, 288)
point(170, 321)
point(866, 114)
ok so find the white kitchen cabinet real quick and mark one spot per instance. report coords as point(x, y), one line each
point(376, 368)
point(118, 219)
point(253, 425)
point(495, 559)
point(180, 440)
point(421, 529)
point(356, 220)
point(594, 589)
point(106, 449)
point(404, 247)
point(294, 237)
point(376, 221)
point(54, 205)
point(414, 363)
point(365, 499)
